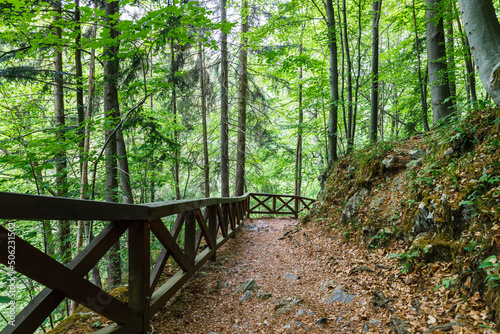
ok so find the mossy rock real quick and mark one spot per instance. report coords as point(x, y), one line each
point(439, 252)
point(81, 316)
point(70, 322)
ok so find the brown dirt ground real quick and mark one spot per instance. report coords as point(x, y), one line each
point(325, 262)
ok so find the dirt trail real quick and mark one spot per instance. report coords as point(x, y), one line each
point(317, 282)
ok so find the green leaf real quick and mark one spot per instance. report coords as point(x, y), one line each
point(4, 300)
point(489, 262)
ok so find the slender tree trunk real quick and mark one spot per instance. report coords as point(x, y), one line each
point(206, 162)
point(483, 32)
point(350, 112)
point(334, 84)
point(174, 112)
point(377, 5)
point(80, 108)
point(298, 151)
point(81, 123)
point(224, 108)
point(421, 84)
point(436, 58)
point(358, 74)
point(450, 52)
point(60, 122)
point(342, 100)
point(242, 104)
point(124, 171)
point(112, 112)
point(96, 277)
point(469, 67)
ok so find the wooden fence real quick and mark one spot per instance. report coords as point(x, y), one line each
point(278, 204)
point(210, 221)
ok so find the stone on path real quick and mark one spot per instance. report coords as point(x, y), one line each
point(246, 296)
point(398, 325)
point(248, 286)
point(339, 295)
point(321, 322)
point(291, 277)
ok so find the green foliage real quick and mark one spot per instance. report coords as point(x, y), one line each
point(407, 259)
point(445, 283)
point(492, 268)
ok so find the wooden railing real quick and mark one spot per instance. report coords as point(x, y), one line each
point(211, 221)
point(279, 204)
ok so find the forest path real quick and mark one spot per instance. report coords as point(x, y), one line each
point(317, 284)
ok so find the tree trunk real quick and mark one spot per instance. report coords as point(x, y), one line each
point(80, 109)
point(242, 104)
point(450, 52)
point(421, 84)
point(436, 58)
point(298, 151)
point(96, 277)
point(174, 112)
point(377, 4)
point(470, 72)
point(349, 133)
point(124, 172)
point(334, 84)
point(206, 162)
point(358, 74)
point(60, 122)
point(112, 112)
point(483, 32)
point(224, 109)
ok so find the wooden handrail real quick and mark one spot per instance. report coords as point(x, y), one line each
point(202, 220)
point(280, 204)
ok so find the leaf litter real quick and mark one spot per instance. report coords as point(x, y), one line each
point(315, 281)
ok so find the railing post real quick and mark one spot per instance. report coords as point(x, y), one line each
point(247, 207)
point(190, 237)
point(296, 206)
point(212, 226)
point(232, 217)
point(139, 292)
point(274, 204)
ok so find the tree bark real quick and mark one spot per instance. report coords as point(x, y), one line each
point(60, 121)
point(112, 112)
point(242, 104)
point(421, 84)
point(123, 170)
point(174, 112)
point(298, 151)
point(483, 32)
point(96, 277)
point(81, 118)
point(224, 108)
point(349, 133)
point(436, 58)
point(358, 74)
point(334, 83)
point(450, 52)
point(469, 67)
point(377, 4)
point(206, 162)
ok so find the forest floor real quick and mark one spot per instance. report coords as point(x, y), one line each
point(311, 280)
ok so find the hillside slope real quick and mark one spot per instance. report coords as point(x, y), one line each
point(436, 196)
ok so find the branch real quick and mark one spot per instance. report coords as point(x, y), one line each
point(319, 9)
point(118, 126)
